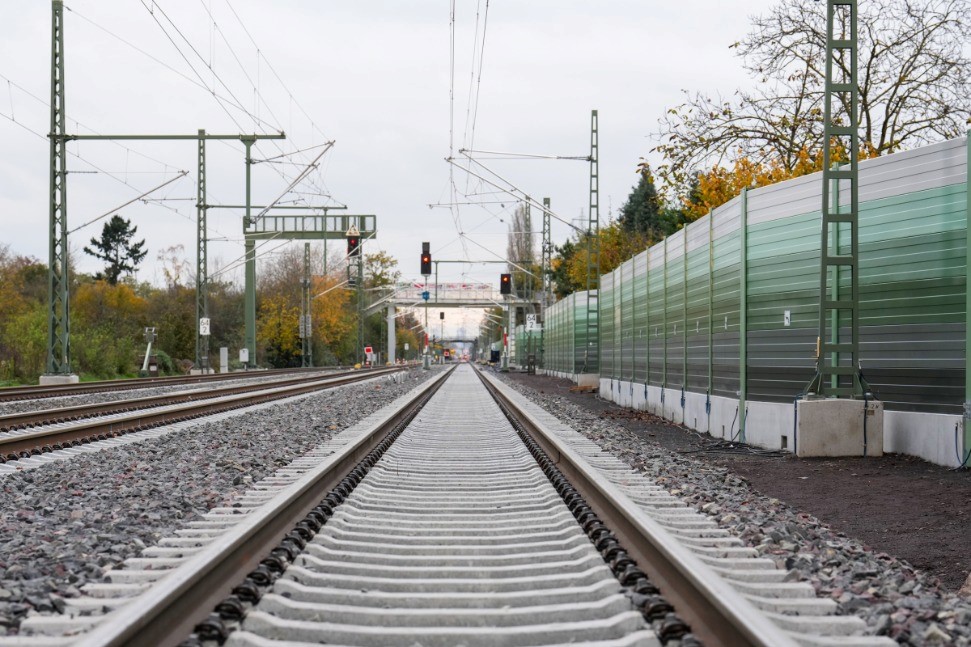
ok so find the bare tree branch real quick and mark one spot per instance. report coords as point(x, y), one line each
point(914, 87)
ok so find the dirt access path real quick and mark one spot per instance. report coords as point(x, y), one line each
point(896, 504)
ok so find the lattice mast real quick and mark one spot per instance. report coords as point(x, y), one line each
point(838, 372)
point(591, 355)
point(58, 329)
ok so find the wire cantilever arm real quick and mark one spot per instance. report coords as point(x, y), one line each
point(513, 190)
point(135, 199)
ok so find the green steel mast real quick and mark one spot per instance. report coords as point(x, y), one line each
point(58, 329)
point(546, 252)
point(591, 359)
point(306, 328)
point(838, 373)
point(202, 258)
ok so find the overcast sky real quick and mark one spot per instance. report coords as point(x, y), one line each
point(374, 76)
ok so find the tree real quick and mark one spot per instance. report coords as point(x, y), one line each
point(380, 270)
point(641, 213)
point(616, 246)
point(23, 317)
point(116, 249)
point(563, 284)
point(175, 265)
point(914, 88)
point(521, 254)
point(278, 330)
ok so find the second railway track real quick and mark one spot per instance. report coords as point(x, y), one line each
point(54, 429)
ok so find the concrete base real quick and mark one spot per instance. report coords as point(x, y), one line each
point(55, 379)
point(833, 427)
point(587, 379)
point(201, 371)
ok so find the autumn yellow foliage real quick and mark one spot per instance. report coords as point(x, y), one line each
point(100, 303)
point(616, 246)
point(330, 314)
point(720, 184)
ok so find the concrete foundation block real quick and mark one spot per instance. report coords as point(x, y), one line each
point(54, 379)
point(587, 379)
point(833, 427)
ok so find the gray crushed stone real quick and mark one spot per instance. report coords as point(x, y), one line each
point(39, 404)
point(64, 525)
point(891, 596)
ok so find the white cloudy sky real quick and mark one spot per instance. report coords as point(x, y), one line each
point(373, 75)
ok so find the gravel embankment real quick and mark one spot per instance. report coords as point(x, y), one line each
point(63, 525)
point(39, 404)
point(893, 597)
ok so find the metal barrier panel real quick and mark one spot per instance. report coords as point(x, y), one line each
point(656, 309)
point(608, 328)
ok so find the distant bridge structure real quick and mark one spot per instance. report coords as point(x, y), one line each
point(468, 294)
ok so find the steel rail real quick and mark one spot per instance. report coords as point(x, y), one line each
point(56, 415)
point(144, 419)
point(717, 613)
point(166, 613)
point(33, 392)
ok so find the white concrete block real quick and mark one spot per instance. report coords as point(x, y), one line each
point(52, 379)
point(832, 427)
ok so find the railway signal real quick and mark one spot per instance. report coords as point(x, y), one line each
point(426, 259)
point(505, 284)
point(353, 236)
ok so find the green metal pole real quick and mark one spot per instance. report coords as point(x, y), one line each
point(547, 252)
point(306, 349)
point(684, 319)
point(59, 322)
point(647, 324)
point(593, 252)
point(834, 277)
point(743, 317)
point(250, 274)
point(202, 259)
point(967, 303)
point(711, 313)
point(664, 364)
point(838, 357)
point(633, 329)
point(360, 306)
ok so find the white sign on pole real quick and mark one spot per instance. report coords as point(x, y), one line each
point(530, 323)
point(406, 346)
point(244, 355)
point(204, 326)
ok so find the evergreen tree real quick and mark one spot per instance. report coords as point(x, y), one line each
point(641, 214)
point(116, 249)
point(563, 284)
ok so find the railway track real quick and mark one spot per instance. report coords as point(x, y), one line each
point(458, 515)
point(27, 434)
point(34, 392)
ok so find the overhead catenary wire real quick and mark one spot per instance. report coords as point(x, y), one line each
point(536, 156)
point(237, 101)
point(122, 206)
point(157, 202)
point(213, 90)
point(513, 191)
point(310, 167)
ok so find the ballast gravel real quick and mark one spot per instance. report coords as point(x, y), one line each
point(40, 404)
point(65, 524)
point(889, 594)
